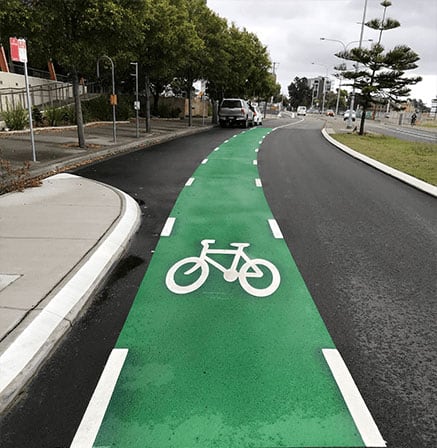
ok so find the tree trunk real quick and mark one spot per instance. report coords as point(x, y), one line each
point(363, 119)
point(190, 110)
point(78, 111)
point(148, 126)
point(155, 103)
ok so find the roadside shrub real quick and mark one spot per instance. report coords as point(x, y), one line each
point(100, 109)
point(69, 115)
point(125, 108)
point(58, 116)
point(167, 111)
point(97, 109)
point(16, 118)
point(37, 116)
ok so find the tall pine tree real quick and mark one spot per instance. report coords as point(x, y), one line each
point(379, 74)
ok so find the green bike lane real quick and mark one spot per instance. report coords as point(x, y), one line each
point(219, 366)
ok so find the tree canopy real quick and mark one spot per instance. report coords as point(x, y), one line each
point(299, 92)
point(379, 75)
point(174, 41)
point(171, 39)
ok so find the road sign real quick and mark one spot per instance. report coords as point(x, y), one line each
point(18, 49)
point(19, 54)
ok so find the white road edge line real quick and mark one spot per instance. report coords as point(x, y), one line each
point(275, 229)
point(189, 182)
point(168, 227)
point(95, 412)
point(255, 162)
point(357, 407)
point(258, 183)
point(204, 161)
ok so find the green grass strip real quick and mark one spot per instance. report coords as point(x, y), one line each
point(414, 158)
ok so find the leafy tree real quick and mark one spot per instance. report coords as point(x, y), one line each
point(195, 50)
point(299, 92)
point(380, 74)
point(74, 34)
point(419, 105)
point(165, 34)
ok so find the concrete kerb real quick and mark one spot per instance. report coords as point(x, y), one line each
point(406, 178)
point(26, 353)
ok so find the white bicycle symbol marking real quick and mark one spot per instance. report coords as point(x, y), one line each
point(250, 269)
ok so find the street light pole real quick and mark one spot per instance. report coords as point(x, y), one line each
point(360, 42)
point(113, 96)
point(137, 102)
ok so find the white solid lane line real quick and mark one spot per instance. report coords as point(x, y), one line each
point(93, 417)
point(357, 407)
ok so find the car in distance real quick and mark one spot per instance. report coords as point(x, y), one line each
point(301, 110)
point(347, 113)
point(330, 113)
point(257, 116)
point(235, 111)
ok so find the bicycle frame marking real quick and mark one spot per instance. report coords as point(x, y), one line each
point(249, 269)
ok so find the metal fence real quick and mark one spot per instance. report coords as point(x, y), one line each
point(53, 94)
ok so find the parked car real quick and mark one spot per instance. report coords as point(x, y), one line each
point(346, 115)
point(330, 113)
point(301, 110)
point(235, 111)
point(257, 116)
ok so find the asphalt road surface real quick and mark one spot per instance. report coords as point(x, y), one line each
point(365, 245)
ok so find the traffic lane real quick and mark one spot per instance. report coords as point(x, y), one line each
point(365, 244)
point(53, 404)
point(412, 134)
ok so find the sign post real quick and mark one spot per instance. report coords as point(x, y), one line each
point(19, 54)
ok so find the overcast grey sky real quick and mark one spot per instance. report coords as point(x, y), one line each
point(291, 30)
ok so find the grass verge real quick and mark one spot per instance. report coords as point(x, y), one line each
point(414, 158)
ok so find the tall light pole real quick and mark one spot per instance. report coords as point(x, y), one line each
point(349, 120)
point(349, 123)
point(137, 102)
point(113, 96)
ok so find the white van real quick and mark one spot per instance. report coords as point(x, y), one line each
point(301, 110)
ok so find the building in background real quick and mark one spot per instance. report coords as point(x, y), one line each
point(319, 86)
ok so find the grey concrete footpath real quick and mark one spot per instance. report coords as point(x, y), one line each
point(57, 242)
point(60, 239)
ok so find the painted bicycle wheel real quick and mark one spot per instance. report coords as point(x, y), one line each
point(179, 278)
point(253, 270)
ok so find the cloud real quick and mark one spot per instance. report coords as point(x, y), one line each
point(291, 29)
